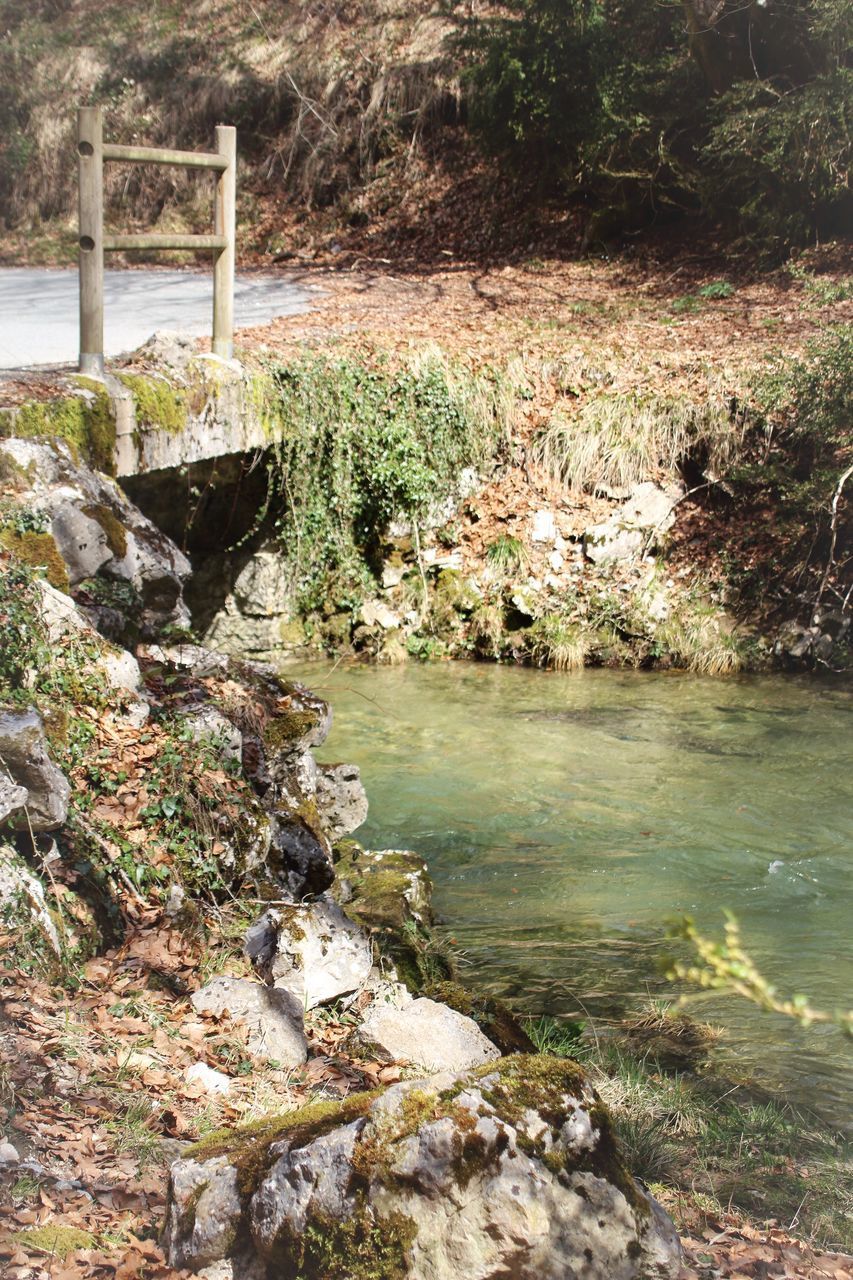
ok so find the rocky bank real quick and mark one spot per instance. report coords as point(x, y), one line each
point(143, 773)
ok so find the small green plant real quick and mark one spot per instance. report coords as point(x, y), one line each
point(717, 289)
point(554, 641)
point(506, 555)
point(560, 1037)
point(727, 966)
point(823, 292)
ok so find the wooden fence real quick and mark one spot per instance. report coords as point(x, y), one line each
point(92, 151)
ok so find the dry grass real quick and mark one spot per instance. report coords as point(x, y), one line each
point(321, 101)
point(617, 439)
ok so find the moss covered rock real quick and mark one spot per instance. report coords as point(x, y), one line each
point(510, 1169)
point(388, 892)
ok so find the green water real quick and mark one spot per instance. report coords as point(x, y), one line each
point(567, 818)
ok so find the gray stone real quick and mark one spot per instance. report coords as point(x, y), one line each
point(192, 657)
point(341, 799)
point(272, 1017)
point(262, 588)
point(211, 1211)
point(543, 527)
point(24, 754)
point(648, 512)
point(315, 952)
point(607, 542)
point(8, 1154)
point(22, 898)
point(376, 613)
point(426, 1034)
point(81, 541)
point(211, 1081)
point(12, 797)
point(299, 856)
point(79, 502)
point(209, 725)
point(170, 349)
point(510, 1170)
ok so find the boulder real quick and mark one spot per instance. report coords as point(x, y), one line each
point(388, 892)
point(24, 754)
point(610, 541)
point(97, 531)
point(81, 541)
point(648, 512)
point(341, 799)
point(508, 1170)
point(272, 1017)
point(302, 721)
point(425, 1034)
point(262, 588)
point(314, 952)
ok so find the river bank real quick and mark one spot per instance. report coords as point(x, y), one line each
point(173, 796)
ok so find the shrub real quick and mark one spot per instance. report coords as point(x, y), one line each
point(365, 444)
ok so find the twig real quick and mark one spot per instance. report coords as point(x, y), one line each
point(88, 830)
point(842, 480)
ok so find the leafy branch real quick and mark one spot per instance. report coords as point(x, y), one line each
point(726, 966)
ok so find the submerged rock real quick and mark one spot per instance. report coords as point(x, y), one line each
point(24, 754)
point(509, 1170)
point(273, 1018)
point(314, 952)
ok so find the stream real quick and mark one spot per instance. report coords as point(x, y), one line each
point(567, 818)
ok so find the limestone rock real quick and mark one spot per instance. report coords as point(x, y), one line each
point(273, 1017)
point(81, 541)
point(426, 1034)
point(98, 531)
point(543, 527)
point(209, 725)
point(299, 856)
point(303, 721)
point(169, 348)
point(262, 588)
point(12, 797)
point(648, 512)
point(609, 541)
point(508, 1170)
point(211, 1080)
point(192, 657)
point(314, 952)
point(376, 613)
point(23, 752)
point(341, 799)
point(22, 898)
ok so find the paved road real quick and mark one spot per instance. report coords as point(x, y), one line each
point(39, 318)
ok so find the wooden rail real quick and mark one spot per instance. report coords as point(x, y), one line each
point(92, 151)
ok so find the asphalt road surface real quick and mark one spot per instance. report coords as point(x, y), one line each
point(39, 309)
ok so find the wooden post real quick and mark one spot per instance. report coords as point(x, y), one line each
point(90, 169)
point(225, 224)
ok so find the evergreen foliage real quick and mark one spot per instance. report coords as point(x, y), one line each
point(607, 99)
